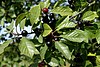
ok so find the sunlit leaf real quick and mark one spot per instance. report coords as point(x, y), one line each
point(63, 49)
point(19, 18)
point(47, 30)
point(89, 15)
point(27, 47)
point(98, 36)
point(22, 23)
point(66, 24)
point(10, 27)
point(34, 14)
point(40, 39)
point(43, 51)
point(53, 62)
point(98, 60)
point(76, 36)
point(63, 11)
point(88, 64)
point(45, 4)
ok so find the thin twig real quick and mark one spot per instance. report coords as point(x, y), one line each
point(71, 18)
point(21, 34)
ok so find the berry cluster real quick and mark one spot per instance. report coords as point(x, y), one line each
point(48, 18)
point(38, 31)
point(81, 23)
point(71, 5)
point(51, 21)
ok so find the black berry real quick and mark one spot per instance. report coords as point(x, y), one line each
point(45, 10)
point(2, 38)
point(88, 24)
point(28, 22)
point(78, 59)
point(37, 31)
point(56, 39)
point(24, 33)
point(52, 23)
point(5, 21)
point(10, 35)
point(49, 43)
point(45, 18)
point(80, 26)
point(8, 29)
point(48, 40)
point(79, 17)
point(0, 28)
point(70, 1)
point(89, 1)
point(72, 6)
point(51, 15)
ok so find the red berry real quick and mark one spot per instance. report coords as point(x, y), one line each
point(45, 10)
point(40, 65)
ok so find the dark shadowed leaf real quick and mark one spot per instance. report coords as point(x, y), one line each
point(4, 45)
point(43, 51)
point(19, 18)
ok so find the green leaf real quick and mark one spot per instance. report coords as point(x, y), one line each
point(47, 30)
point(19, 18)
point(76, 36)
point(34, 14)
point(61, 61)
point(63, 49)
point(43, 51)
point(63, 11)
point(89, 15)
point(22, 23)
point(89, 34)
point(97, 23)
point(2, 11)
point(88, 64)
point(45, 4)
point(98, 60)
point(66, 24)
point(40, 39)
point(27, 47)
point(2, 21)
point(10, 27)
point(53, 62)
point(4, 45)
point(41, 5)
point(98, 36)
point(92, 54)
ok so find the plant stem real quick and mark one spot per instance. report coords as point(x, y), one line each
point(71, 18)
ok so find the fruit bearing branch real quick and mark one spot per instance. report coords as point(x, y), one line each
point(71, 18)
